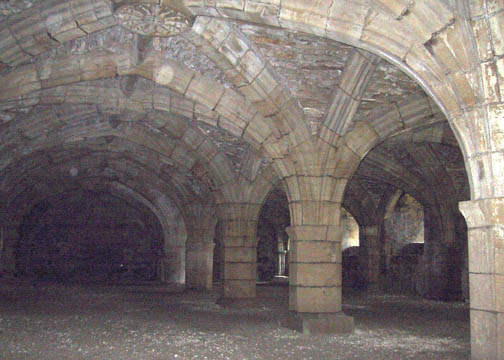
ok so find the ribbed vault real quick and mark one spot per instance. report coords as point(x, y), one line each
point(207, 107)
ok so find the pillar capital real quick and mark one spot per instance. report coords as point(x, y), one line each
point(483, 212)
point(485, 222)
point(315, 233)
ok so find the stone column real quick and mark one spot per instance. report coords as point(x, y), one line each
point(239, 238)
point(485, 224)
point(442, 255)
point(370, 255)
point(172, 265)
point(315, 279)
point(199, 265)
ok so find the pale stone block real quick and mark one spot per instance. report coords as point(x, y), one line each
point(318, 7)
point(477, 8)
point(330, 213)
point(314, 274)
point(235, 109)
point(482, 288)
point(428, 18)
point(484, 334)
point(347, 17)
point(308, 232)
point(296, 211)
point(182, 106)
point(474, 120)
point(315, 299)
point(497, 29)
point(30, 32)
point(251, 65)
point(267, 82)
point(213, 31)
point(309, 17)
point(482, 36)
point(394, 7)
point(335, 233)
point(276, 149)
point(499, 293)
point(194, 3)
point(500, 76)
point(496, 124)
point(234, 47)
point(311, 212)
point(464, 88)
point(258, 129)
point(240, 254)
point(257, 96)
point(294, 188)
point(309, 187)
point(498, 236)
point(174, 76)
point(497, 159)
point(447, 99)
point(230, 4)
point(60, 22)
point(500, 333)
point(424, 64)
point(315, 251)
point(263, 12)
point(361, 139)
point(481, 251)
point(381, 31)
point(347, 163)
point(327, 188)
point(232, 126)
point(205, 91)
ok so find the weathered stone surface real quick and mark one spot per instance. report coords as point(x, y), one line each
point(321, 324)
point(217, 115)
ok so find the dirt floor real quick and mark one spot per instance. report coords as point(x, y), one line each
point(47, 321)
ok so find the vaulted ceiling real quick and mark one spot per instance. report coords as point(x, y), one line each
point(80, 120)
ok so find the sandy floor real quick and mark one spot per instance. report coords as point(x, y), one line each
point(153, 322)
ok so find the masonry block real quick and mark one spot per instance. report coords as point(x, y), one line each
point(311, 324)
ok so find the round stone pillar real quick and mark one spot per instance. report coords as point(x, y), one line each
point(485, 225)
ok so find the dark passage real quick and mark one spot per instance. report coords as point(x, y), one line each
point(89, 236)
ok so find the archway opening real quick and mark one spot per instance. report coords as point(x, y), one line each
point(403, 247)
point(89, 236)
point(272, 238)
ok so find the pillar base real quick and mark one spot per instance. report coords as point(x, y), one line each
point(321, 323)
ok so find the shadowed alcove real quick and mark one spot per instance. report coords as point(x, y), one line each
point(88, 236)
